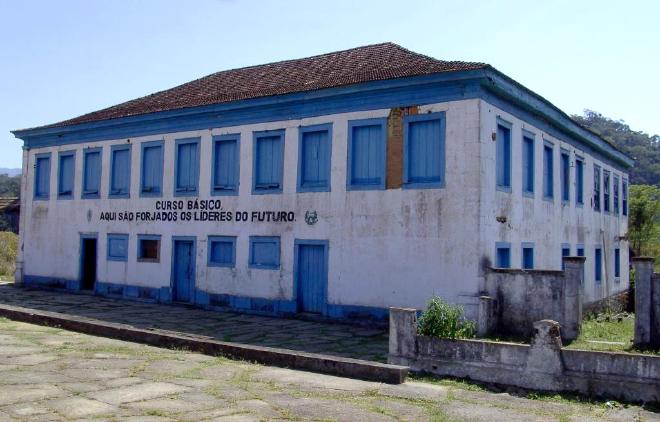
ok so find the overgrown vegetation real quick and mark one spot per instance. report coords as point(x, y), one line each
point(609, 332)
point(8, 250)
point(10, 186)
point(441, 319)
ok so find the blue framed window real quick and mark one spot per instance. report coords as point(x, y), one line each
point(606, 191)
point(565, 176)
point(42, 176)
point(118, 247)
point(186, 167)
point(120, 171)
point(548, 171)
point(503, 155)
point(226, 165)
point(624, 197)
point(222, 251)
point(527, 256)
point(617, 263)
point(367, 152)
point(148, 248)
point(91, 185)
point(615, 194)
point(528, 164)
point(66, 174)
point(267, 165)
point(424, 150)
point(598, 265)
point(151, 180)
point(264, 252)
point(596, 188)
point(565, 251)
point(579, 181)
point(314, 156)
point(503, 255)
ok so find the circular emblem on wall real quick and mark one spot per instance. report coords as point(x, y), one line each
point(311, 217)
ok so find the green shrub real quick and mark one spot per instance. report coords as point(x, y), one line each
point(8, 250)
point(441, 319)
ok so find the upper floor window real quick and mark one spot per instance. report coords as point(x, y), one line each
point(503, 255)
point(548, 171)
point(424, 150)
point(268, 161)
point(615, 192)
point(367, 146)
point(596, 188)
point(264, 252)
point(565, 176)
point(186, 167)
point(226, 165)
point(579, 180)
point(120, 171)
point(42, 176)
point(527, 256)
point(503, 155)
point(528, 164)
point(624, 197)
point(565, 251)
point(91, 187)
point(66, 174)
point(314, 149)
point(606, 191)
point(151, 183)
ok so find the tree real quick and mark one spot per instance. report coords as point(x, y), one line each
point(644, 219)
point(10, 186)
point(644, 148)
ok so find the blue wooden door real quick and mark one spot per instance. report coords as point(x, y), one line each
point(312, 278)
point(183, 270)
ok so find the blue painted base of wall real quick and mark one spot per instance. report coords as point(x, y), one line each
point(218, 302)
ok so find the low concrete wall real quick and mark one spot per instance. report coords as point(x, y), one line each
point(647, 303)
point(521, 297)
point(543, 365)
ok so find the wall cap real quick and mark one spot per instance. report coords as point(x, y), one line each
point(643, 259)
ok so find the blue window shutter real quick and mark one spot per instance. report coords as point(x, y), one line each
point(42, 177)
point(598, 264)
point(548, 172)
point(66, 175)
point(92, 175)
point(264, 252)
point(565, 177)
point(222, 253)
point(117, 247)
point(624, 197)
point(504, 257)
point(615, 192)
point(579, 181)
point(425, 152)
point(315, 160)
point(617, 262)
point(528, 165)
point(187, 169)
point(226, 163)
point(121, 172)
point(268, 166)
point(367, 156)
point(503, 157)
point(152, 170)
point(606, 191)
point(528, 258)
point(596, 188)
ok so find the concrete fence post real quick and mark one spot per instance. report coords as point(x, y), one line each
point(403, 330)
point(544, 362)
point(573, 272)
point(487, 318)
point(643, 300)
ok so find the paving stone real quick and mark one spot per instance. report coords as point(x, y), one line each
point(144, 391)
point(27, 393)
point(77, 407)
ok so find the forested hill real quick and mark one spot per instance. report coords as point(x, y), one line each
point(644, 148)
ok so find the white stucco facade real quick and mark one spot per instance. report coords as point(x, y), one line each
point(386, 247)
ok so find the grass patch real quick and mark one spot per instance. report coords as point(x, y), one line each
point(610, 333)
point(8, 250)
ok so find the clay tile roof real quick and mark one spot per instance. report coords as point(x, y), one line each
point(9, 203)
point(357, 65)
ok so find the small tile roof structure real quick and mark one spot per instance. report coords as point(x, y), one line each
point(357, 65)
point(9, 203)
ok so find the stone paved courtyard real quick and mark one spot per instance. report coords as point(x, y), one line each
point(315, 337)
point(50, 374)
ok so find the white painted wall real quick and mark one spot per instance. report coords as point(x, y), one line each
point(393, 247)
point(548, 224)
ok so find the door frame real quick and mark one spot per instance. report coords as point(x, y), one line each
point(81, 259)
point(193, 283)
point(296, 253)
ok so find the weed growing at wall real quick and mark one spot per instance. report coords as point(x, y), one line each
point(441, 319)
point(8, 250)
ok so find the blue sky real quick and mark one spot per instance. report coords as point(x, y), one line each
point(64, 58)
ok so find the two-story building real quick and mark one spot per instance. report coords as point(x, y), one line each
point(338, 184)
